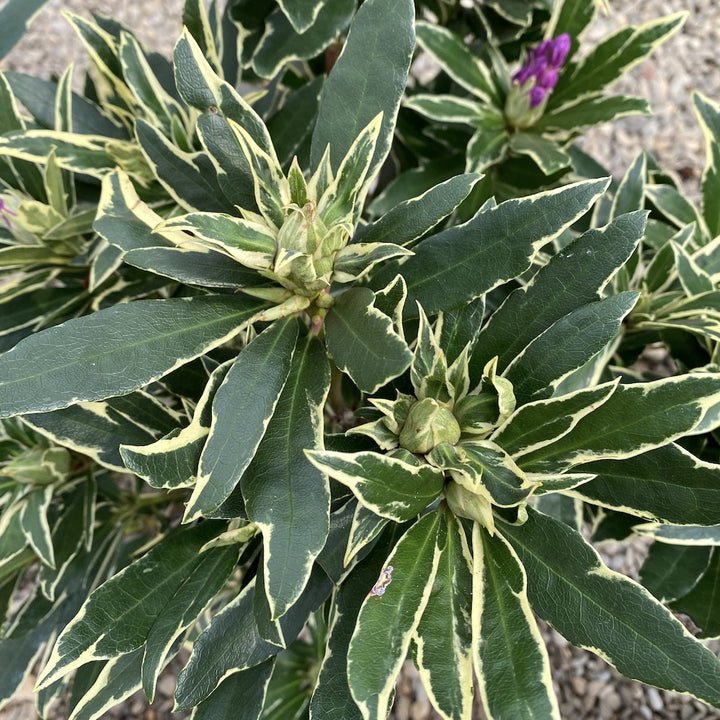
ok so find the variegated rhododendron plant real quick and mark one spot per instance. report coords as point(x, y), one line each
point(319, 352)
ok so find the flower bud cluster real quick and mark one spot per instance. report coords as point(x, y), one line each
point(542, 67)
point(534, 81)
point(307, 249)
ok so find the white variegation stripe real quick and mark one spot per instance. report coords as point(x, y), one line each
point(198, 428)
point(558, 482)
point(272, 190)
point(463, 663)
point(365, 527)
point(107, 691)
point(708, 114)
point(19, 145)
point(118, 192)
point(84, 27)
point(344, 197)
point(698, 535)
point(450, 108)
point(353, 475)
point(131, 53)
point(33, 517)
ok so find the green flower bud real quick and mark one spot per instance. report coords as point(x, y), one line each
point(428, 424)
point(296, 232)
point(473, 506)
point(307, 249)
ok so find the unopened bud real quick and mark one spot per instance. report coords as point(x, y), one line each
point(470, 505)
point(428, 424)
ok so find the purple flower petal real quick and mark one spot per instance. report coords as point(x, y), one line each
point(522, 75)
point(537, 95)
point(542, 49)
point(560, 50)
point(549, 80)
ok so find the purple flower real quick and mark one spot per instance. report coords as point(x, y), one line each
point(542, 65)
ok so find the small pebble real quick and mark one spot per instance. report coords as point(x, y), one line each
point(654, 699)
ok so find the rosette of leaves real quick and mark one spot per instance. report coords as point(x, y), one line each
point(677, 273)
point(299, 239)
point(130, 108)
point(480, 470)
point(51, 263)
point(674, 269)
point(472, 103)
point(65, 527)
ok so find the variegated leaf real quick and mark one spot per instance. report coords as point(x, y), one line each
point(358, 259)
point(118, 678)
point(612, 57)
point(507, 484)
point(451, 108)
point(241, 410)
point(635, 419)
point(443, 638)
point(567, 346)
point(453, 267)
point(363, 342)
point(668, 484)
point(16, 17)
point(116, 350)
point(201, 267)
point(409, 220)
point(189, 178)
point(272, 191)
point(510, 657)
point(78, 153)
point(143, 83)
point(630, 194)
point(681, 534)
point(283, 42)
point(708, 113)
point(535, 425)
point(346, 103)
point(331, 697)
point(172, 461)
point(582, 269)
point(702, 603)
point(246, 689)
point(366, 526)
point(34, 523)
point(544, 152)
point(201, 87)
point(124, 220)
point(97, 429)
point(231, 643)
point(101, 629)
point(343, 198)
point(387, 486)
point(285, 495)
point(458, 61)
point(248, 242)
point(671, 571)
point(387, 621)
point(607, 613)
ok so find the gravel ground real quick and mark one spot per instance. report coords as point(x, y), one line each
point(588, 689)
